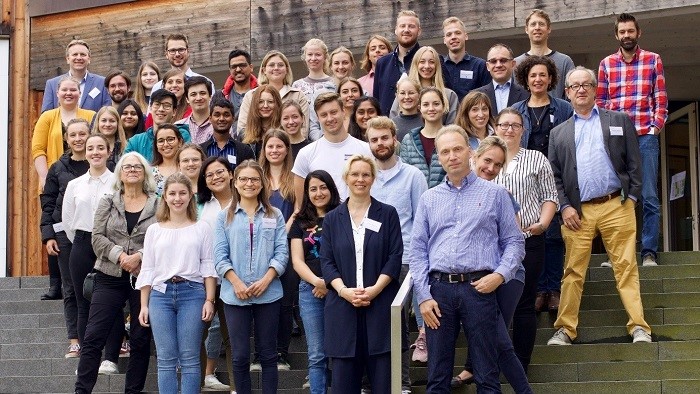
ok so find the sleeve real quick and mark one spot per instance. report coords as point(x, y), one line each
point(40, 137)
point(420, 186)
point(243, 113)
point(148, 262)
point(392, 266)
point(295, 232)
point(568, 67)
point(244, 152)
point(545, 180)
point(660, 97)
point(49, 100)
point(556, 165)
point(222, 251)
point(101, 244)
point(453, 102)
point(185, 131)
point(48, 198)
point(206, 254)
point(315, 132)
point(301, 164)
point(106, 99)
point(484, 75)
point(602, 94)
point(378, 88)
point(329, 266)
point(131, 144)
point(68, 210)
point(510, 237)
point(418, 262)
point(280, 259)
point(394, 109)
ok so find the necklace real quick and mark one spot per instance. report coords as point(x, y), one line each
point(542, 112)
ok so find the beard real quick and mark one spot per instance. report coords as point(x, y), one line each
point(629, 44)
point(386, 155)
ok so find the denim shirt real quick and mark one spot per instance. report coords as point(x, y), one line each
point(232, 251)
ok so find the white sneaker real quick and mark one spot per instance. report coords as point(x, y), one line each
point(606, 263)
point(306, 384)
point(108, 368)
point(560, 338)
point(639, 335)
point(649, 261)
point(212, 382)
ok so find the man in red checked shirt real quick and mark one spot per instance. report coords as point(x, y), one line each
point(632, 81)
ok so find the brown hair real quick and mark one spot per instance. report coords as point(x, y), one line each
point(119, 134)
point(523, 69)
point(255, 126)
point(539, 13)
point(181, 104)
point(263, 196)
point(139, 91)
point(325, 98)
point(472, 99)
point(365, 63)
point(625, 17)
point(287, 177)
point(163, 212)
point(262, 77)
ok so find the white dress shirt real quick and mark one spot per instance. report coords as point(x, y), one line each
point(358, 235)
point(83, 195)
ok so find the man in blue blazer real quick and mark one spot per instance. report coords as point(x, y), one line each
point(597, 168)
point(93, 94)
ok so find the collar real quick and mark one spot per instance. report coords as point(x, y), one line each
point(637, 51)
point(594, 112)
point(467, 180)
point(467, 57)
point(411, 52)
point(508, 84)
point(260, 208)
point(102, 178)
point(84, 78)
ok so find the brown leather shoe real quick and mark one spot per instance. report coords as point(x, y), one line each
point(541, 301)
point(554, 301)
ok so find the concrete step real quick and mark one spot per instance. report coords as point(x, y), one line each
point(40, 320)
point(653, 316)
point(616, 352)
point(646, 286)
point(618, 334)
point(619, 371)
point(25, 282)
point(22, 294)
point(663, 258)
point(659, 272)
point(659, 300)
point(30, 307)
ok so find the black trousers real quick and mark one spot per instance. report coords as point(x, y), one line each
point(106, 308)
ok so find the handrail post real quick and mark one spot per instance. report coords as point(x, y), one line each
point(396, 332)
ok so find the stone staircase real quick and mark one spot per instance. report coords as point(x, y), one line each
point(603, 359)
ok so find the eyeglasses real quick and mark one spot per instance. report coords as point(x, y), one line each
point(132, 167)
point(169, 140)
point(157, 105)
point(501, 60)
point(173, 51)
point(240, 65)
point(244, 179)
point(586, 86)
point(218, 174)
point(506, 126)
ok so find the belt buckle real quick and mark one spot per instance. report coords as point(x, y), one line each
point(455, 278)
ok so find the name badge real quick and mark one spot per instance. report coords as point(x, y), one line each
point(269, 223)
point(551, 118)
point(616, 130)
point(94, 92)
point(372, 225)
point(58, 227)
point(348, 156)
point(466, 74)
point(159, 288)
point(232, 159)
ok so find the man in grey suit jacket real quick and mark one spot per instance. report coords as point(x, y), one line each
point(93, 94)
point(596, 163)
point(500, 63)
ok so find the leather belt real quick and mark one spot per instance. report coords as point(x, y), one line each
point(177, 279)
point(600, 200)
point(459, 278)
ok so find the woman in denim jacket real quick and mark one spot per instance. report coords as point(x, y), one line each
point(250, 253)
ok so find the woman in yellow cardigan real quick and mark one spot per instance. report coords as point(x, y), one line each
point(47, 140)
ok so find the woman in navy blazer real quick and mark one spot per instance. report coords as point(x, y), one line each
point(361, 261)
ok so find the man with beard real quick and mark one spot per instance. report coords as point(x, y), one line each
point(118, 85)
point(93, 93)
point(461, 71)
point(632, 81)
point(391, 66)
point(538, 26)
point(178, 54)
point(220, 143)
point(240, 79)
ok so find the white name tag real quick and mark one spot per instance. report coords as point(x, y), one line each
point(466, 74)
point(232, 159)
point(551, 118)
point(159, 288)
point(58, 227)
point(94, 92)
point(269, 223)
point(372, 225)
point(615, 130)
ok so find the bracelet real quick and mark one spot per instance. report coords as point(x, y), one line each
point(340, 292)
point(211, 300)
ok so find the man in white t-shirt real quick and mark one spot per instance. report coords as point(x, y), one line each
point(330, 151)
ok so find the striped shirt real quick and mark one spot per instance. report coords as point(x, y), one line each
point(528, 176)
point(637, 88)
point(464, 229)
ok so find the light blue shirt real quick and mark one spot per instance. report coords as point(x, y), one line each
point(464, 229)
point(401, 187)
point(596, 174)
point(233, 251)
point(501, 91)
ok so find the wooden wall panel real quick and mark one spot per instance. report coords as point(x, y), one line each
point(121, 36)
point(286, 26)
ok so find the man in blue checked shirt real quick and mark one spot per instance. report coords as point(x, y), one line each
point(465, 243)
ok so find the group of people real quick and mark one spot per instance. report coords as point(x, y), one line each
point(214, 213)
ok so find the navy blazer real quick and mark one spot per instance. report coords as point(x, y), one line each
point(387, 73)
point(92, 81)
point(623, 152)
point(382, 255)
point(515, 94)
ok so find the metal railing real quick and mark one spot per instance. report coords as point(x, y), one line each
point(396, 311)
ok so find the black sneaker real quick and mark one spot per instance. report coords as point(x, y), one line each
point(282, 363)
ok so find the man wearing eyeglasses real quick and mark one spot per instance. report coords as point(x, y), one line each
point(178, 54)
point(597, 168)
point(240, 79)
point(162, 108)
point(118, 85)
point(462, 72)
point(502, 90)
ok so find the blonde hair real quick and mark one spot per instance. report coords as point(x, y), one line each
point(382, 123)
point(339, 50)
point(365, 63)
point(363, 158)
point(120, 135)
point(489, 142)
point(262, 77)
point(437, 79)
point(454, 19)
point(410, 13)
point(315, 42)
point(163, 212)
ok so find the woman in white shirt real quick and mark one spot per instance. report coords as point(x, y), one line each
point(80, 202)
point(178, 284)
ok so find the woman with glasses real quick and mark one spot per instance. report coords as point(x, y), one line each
point(409, 116)
point(528, 176)
point(266, 115)
point(250, 254)
point(118, 235)
point(541, 113)
point(166, 143)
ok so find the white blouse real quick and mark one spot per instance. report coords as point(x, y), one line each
point(83, 195)
point(358, 235)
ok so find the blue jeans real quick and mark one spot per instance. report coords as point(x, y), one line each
point(264, 318)
point(311, 310)
point(553, 270)
point(651, 208)
point(213, 341)
point(177, 326)
point(479, 315)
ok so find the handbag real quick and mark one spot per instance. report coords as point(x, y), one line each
point(89, 285)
